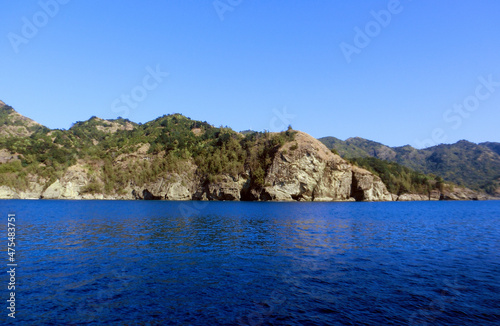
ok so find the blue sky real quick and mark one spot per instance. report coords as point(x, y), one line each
point(397, 72)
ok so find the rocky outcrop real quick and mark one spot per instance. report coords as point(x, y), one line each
point(460, 193)
point(301, 170)
point(412, 197)
point(8, 193)
point(34, 188)
point(368, 187)
point(136, 195)
point(171, 187)
point(6, 156)
point(450, 193)
point(435, 195)
point(69, 186)
point(226, 189)
point(178, 191)
point(54, 191)
point(305, 170)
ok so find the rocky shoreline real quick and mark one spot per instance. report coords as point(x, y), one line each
point(222, 195)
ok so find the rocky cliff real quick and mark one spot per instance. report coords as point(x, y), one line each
point(305, 170)
point(302, 170)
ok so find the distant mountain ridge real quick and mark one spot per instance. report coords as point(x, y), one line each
point(476, 166)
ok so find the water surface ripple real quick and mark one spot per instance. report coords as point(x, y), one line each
point(236, 263)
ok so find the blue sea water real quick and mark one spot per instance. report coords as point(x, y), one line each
point(248, 263)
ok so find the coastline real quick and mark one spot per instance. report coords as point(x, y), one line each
point(402, 198)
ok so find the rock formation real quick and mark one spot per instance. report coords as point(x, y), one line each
point(368, 187)
point(302, 170)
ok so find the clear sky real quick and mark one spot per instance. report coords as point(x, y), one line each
point(403, 72)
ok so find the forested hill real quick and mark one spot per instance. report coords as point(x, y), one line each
point(174, 157)
point(171, 140)
point(476, 166)
point(114, 156)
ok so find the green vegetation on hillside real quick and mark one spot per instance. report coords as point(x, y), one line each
point(176, 144)
point(400, 179)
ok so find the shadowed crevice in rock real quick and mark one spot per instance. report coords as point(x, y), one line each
point(356, 191)
point(147, 195)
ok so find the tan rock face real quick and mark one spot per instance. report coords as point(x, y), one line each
point(69, 186)
point(459, 193)
point(170, 187)
point(435, 195)
point(412, 197)
point(304, 170)
point(177, 191)
point(453, 193)
point(226, 189)
point(307, 170)
point(35, 187)
point(53, 191)
point(8, 193)
point(335, 184)
point(368, 187)
point(112, 127)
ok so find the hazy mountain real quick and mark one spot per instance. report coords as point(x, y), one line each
point(465, 163)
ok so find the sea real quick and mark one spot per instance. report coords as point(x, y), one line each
point(249, 263)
